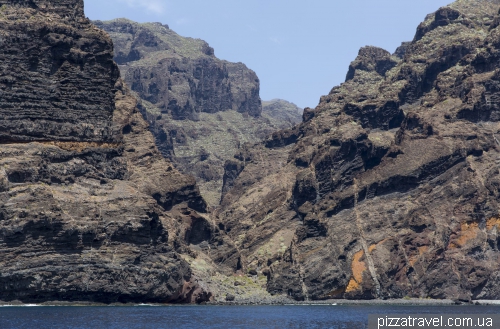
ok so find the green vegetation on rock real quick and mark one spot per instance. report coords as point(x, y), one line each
point(201, 109)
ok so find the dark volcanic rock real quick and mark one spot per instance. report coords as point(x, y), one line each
point(401, 50)
point(88, 206)
point(201, 109)
point(389, 188)
point(70, 10)
point(371, 59)
point(59, 81)
point(180, 76)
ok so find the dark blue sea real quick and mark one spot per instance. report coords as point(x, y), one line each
point(320, 316)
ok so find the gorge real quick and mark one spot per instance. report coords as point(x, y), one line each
point(387, 189)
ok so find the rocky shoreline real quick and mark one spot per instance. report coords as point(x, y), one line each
point(389, 188)
point(278, 301)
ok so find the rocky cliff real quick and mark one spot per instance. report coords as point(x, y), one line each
point(282, 112)
point(57, 77)
point(390, 186)
point(89, 209)
point(180, 76)
point(201, 108)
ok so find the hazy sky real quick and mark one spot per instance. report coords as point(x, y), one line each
point(299, 49)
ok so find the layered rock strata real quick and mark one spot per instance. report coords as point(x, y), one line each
point(89, 209)
point(180, 76)
point(56, 75)
point(201, 109)
point(390, 186)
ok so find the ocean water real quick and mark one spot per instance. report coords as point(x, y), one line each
point(294, 316)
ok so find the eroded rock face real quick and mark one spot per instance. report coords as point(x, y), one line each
point(389, 187)
point(59, 81)
point(180, 76)
point(282, 111)
point(371, 59)
point(201, 109)
point(70, 10)
point(89, 209)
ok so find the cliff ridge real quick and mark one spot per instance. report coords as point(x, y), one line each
point(89, 209)
point(389, 187)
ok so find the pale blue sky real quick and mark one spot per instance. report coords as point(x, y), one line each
point(299, 49)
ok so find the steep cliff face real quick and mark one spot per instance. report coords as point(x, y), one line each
point(89, 209)
point(201, 109)
point(68, 10)
point(180, 76)
point(59, 76)
point(389, 188)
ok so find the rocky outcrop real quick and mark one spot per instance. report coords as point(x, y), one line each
point(389, 187)
point(201, 109)
point(282, 112)
point(89, 209)
point(59, 76)
point(180, 76)
point(68, 10)
point(371, 59)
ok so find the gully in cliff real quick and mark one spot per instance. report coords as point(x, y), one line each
point(388, 189)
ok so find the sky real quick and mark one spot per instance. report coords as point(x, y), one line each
point(299, 49)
